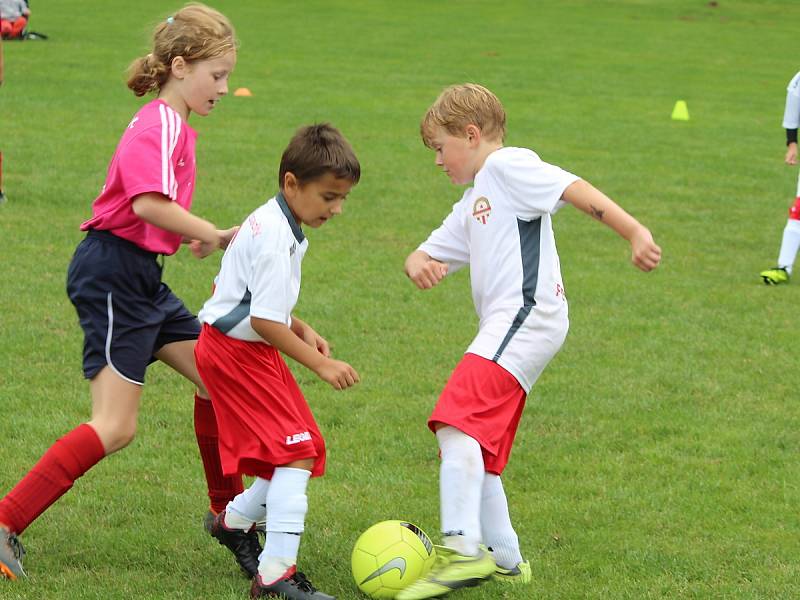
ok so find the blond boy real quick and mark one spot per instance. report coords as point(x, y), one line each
point(502, 229)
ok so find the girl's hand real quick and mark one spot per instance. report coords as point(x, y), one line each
point(645, 253)
point(203, 249)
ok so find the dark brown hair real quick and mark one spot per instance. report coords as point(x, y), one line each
point(318, 149)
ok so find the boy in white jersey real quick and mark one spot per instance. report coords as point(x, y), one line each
point(502, 229)
point(790, 241)
point(266, 428)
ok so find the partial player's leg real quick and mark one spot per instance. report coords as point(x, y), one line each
point(115, 406)
point(790, 243)
point(499, 534)
point(180, 356)
point(287, 504)
point(461, 562)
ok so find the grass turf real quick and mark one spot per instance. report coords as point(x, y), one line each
point(658, 453)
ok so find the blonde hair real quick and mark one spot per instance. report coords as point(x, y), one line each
point(461, 105)
point(196, 32)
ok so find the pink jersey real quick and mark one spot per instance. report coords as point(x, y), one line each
point(155, 154)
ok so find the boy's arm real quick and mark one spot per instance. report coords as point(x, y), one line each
point(306, 333)
point(423, 270)
point(336, 372)
point(645, 254)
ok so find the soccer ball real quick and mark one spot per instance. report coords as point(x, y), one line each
point(389, 556)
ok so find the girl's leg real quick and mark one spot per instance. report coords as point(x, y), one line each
point(221, 489)
point(115, 406)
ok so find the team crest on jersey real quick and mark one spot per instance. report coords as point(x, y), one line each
point(481, 209)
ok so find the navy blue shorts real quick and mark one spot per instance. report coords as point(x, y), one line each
point(126, 312)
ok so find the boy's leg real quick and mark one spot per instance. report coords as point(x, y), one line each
point(462, 562)
point(234, 527)
point(287, 505)
point(461, 476)
point(115, 406)
point(221, 488)
point(790, 243)
point(499, 534)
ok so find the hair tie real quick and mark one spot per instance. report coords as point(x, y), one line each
point(170, 20)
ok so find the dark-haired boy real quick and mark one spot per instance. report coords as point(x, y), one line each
point(266, 428)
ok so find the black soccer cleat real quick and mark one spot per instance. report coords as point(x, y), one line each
point(293, 586)
point(244, 544)
point(11, 553)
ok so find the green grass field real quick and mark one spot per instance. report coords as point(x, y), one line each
point(658, 456)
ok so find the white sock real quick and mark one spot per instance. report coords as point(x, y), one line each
point(498, 533)
point(460, 483)
point(789, 245)
point(287, 505)
point(248, 507)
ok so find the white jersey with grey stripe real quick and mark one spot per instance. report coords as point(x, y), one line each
point(260, 273)
point(502, 229)
point(791, 111)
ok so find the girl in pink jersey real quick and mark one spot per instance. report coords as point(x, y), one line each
point(129, 316)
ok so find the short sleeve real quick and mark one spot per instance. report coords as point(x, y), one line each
point(534, 187)
point(268, 286)
point(145, 162)
point(448, 243)
point(791, 112)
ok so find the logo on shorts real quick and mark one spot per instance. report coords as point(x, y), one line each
point(297, 438)
point(482, 209)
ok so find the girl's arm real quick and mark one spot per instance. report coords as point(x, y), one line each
point(336, 372)
point(160, 211)
point(645, 254)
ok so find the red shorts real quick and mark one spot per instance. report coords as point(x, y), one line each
point(264, 421)
point(484, 401)
point(794, 209)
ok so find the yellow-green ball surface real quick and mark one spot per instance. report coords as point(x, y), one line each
point(390, 556)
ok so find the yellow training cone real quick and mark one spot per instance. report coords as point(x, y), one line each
point(681, 111)
point(242, 92)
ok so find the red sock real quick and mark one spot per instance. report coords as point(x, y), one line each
point(221, 489)
point(50, 478)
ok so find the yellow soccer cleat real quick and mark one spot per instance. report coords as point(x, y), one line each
point(775, 276)
point(452, 571)
point(519, 575)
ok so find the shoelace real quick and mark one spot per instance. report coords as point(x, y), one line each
point(303, 584)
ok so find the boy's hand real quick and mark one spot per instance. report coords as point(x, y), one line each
point(338, 373)
point(645, 253)
point(226, 236)
point(791, 154)
point(424, 271)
